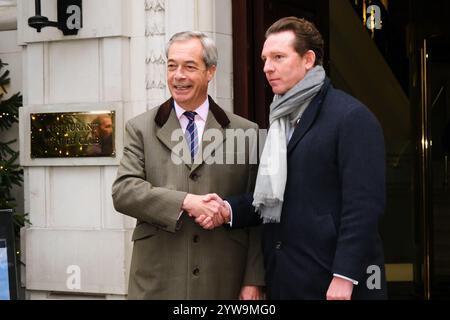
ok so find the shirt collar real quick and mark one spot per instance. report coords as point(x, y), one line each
point(202, 110)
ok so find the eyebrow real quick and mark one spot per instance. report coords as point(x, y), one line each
point(273, 54)
point(185, 62)
point(278, 52)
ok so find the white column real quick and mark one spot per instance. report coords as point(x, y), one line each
point(77, 245)
point(118, 59)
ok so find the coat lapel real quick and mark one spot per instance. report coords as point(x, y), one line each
point(308, 117)
point(167, 123)
point(215, 126)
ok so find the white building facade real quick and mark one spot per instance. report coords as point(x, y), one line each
point(77, 245)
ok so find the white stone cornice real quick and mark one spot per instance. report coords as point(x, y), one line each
point(8, 15)
point(8, 3)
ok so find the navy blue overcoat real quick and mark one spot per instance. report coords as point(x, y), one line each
point(334, 197)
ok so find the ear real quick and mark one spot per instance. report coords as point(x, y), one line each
point(210, 72)
point(310, 59)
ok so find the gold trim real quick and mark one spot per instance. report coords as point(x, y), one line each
point(425, 159)
point(399, 272)
point(364, 13)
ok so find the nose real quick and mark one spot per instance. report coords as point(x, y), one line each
point(179, 74)
point(268, 66)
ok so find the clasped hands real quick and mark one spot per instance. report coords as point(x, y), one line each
point(209, 211)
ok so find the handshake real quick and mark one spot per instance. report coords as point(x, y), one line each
point(209, 211)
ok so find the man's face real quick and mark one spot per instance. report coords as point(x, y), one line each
point(187, 75)
point(106, 126)
point(283, 66)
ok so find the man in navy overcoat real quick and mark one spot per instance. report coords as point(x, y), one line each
point(323, 241)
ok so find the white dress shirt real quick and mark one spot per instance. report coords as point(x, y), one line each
point(200, 118)
point(200, 121)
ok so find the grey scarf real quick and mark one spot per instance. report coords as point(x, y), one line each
point(285, 111)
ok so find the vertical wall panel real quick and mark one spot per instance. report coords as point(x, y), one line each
point(75, 197)
point(73, 71)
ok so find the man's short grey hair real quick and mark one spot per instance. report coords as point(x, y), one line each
point(210, 54)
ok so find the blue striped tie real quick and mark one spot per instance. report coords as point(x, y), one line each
point(191, 133)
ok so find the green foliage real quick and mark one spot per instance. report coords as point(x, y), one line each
point(11, 174)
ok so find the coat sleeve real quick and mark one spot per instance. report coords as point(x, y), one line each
point(134, 196)
point(361, 165)
point(254, 273)
point(244, 214)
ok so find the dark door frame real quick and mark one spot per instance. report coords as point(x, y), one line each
point(250, 19)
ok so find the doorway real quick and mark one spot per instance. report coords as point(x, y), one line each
point(251, 18)
point(438, 106)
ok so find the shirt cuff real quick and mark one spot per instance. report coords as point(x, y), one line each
point(231, 213)
point(345, 278)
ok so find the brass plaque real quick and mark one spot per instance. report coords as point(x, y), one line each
point(73, 134)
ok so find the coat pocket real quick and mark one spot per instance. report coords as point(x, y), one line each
point(144, 230)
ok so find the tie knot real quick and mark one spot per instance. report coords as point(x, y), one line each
point(190, 115)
